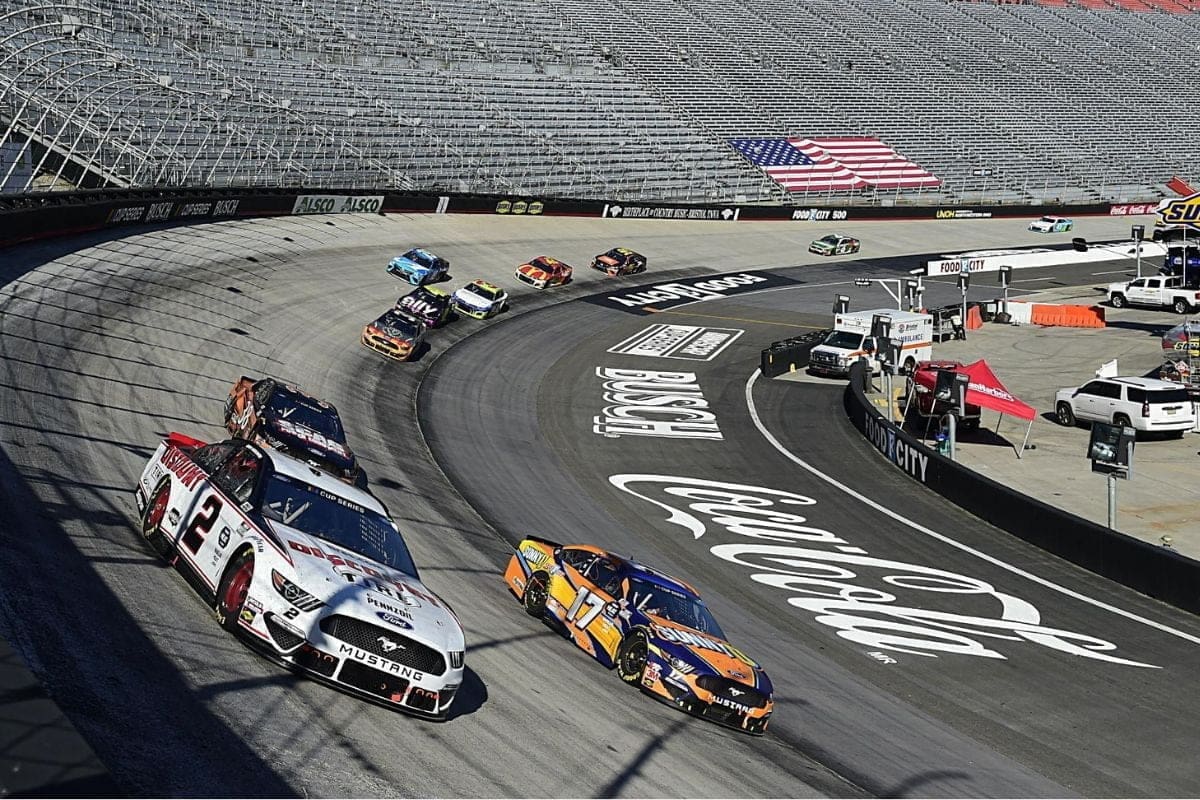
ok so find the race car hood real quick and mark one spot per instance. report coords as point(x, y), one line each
point(418, 307)
point(709, 653)
point(394, 332)
point(532, 271)
point(609, 260)
point(821, 245)
point(300, 441)
point(352, 584)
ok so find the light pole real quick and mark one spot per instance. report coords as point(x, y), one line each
point(964, 283)
point(1005, 280)
point(1138, 232)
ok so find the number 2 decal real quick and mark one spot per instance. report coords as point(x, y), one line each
point(591, 598)
point(202, 523)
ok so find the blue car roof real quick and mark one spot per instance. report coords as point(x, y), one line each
point(634, 569)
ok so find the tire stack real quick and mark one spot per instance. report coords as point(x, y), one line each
point(789, 355)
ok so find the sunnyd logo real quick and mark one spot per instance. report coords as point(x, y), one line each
point(843, 586)
point(1183, 211)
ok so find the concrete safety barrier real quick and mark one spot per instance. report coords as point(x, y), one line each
point(1155, 571)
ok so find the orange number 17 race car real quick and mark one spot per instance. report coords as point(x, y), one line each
point(654, 629)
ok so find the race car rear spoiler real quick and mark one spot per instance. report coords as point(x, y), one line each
point(182, 441)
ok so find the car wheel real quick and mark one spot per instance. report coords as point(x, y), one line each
point(1064, 414)
point(155, 513)
point(233, 590)
point(537, 591)
point(1180, 305)
point(632, 656)
point(1122, 419)
point(1117, 301)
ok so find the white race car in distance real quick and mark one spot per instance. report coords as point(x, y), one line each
point(1051, 225)
point(310, 571)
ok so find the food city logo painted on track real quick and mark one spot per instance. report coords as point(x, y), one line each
point(667, 405)
point(846, 588)
point(668, 295)
point(686, 342)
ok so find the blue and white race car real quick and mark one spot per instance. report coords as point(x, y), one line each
point(419, 267)
point(1051, 225)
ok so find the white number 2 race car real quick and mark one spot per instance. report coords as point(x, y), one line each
point(305, 568)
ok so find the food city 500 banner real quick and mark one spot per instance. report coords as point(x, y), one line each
point(35, 216)
point(1155, 571)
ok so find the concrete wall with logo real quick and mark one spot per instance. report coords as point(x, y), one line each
point(1154, 571)
point(33, 216)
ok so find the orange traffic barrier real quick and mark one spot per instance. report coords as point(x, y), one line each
point(974, 319)
point(1067, 315)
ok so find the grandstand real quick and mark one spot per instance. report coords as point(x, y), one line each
point(1057, 101)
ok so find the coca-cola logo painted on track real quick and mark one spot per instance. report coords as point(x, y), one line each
point(876, 602)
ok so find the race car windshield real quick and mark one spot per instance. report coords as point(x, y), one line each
point(482, 291)
point(300, 411)
point(335, 519)
point(419, 258)
point(397, 325)
point(678, 607)
point(829, 240)
point(844, 340)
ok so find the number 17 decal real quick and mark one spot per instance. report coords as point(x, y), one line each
point(596, 602)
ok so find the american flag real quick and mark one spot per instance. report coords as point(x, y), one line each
point(834, 165)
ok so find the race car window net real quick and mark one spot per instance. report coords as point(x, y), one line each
point(684, 609)
point(300, 411)
point(336, 519)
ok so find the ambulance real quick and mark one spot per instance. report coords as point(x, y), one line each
point(851, 339)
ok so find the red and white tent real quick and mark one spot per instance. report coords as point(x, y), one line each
point(985, 390)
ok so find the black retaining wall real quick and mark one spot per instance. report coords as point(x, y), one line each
point(33, 216)
point(1152, 570)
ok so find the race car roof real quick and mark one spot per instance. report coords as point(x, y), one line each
point(294, 468)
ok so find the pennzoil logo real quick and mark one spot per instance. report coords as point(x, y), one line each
point(1182, 211)
point(532, 207)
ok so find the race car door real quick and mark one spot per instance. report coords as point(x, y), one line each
point(588, 599)
point(209, 533)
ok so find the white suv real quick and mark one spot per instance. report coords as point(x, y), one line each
point(1144, 404)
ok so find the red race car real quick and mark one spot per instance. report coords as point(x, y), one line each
point(544, 272)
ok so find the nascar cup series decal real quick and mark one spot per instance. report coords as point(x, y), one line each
point(832, 579)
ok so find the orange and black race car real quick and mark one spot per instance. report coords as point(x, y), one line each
point(620, 261)
point(395, 334)
point(652, 628)
point(544, 272)
point(281, 416)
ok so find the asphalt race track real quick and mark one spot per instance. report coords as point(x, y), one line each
point(993, 670)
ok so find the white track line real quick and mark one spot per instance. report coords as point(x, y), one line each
point(766, 434)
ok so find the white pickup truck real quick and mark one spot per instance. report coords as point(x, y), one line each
point(1160, 291)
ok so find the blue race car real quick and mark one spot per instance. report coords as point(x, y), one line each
point(419, 267)
point(654, 630)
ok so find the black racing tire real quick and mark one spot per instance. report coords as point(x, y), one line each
point(1117, 301)
point(537, 592)
point(233, 589)
point(632, 655)
point(153, 516)
point(1064, 414)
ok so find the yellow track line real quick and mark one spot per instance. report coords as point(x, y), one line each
point(732, 319)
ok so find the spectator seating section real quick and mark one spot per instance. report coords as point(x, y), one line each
point(1057, 100)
